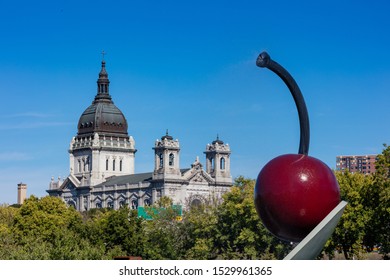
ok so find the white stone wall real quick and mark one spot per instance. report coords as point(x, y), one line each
point(134, 195)
point(117, 156)
point(88, 157)
point(81, 162)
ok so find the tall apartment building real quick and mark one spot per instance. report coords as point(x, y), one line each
point(358, 163)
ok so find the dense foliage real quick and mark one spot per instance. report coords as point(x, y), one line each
point(45, 228)
point(365, 224)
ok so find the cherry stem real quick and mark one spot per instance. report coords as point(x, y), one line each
point(264, 60)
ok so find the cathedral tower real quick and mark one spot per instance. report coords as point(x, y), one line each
point(166, 163)
point(218, 161)
point(102, 146)
point(102, 159)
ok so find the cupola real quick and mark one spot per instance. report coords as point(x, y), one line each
point(102, 116)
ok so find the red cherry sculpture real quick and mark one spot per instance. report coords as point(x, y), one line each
point(294, 192)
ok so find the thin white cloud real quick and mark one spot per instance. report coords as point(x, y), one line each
point(30, 125)
point(14, 156)
point(29, 115)
point(29, 120)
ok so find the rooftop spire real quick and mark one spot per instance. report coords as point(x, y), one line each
point(103, 73)
point(167, 136)
point(218, 140)
point(103, 82)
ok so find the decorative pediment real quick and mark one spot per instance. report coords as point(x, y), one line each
point(197, 165)
point(68, 185)
point(147, 194)
point(199, 176)
point(109, 198)
point(74, 180)
point(196, 174)
point(97, 199)
point(133, 195)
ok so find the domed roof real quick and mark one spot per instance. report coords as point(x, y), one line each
point(102, 116)
point(167, 136)
point(220, 142)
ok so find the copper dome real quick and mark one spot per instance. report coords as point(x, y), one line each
point(102, 116)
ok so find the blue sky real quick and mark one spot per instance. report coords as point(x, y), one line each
point(189, 66)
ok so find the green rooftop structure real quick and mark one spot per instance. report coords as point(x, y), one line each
point(147, 212)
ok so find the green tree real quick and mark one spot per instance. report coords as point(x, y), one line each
point(94, 223)
point(164, 233)
point(164, 202)
point(365, 223)
point(44, 218)
point(123, 229)
point(199, 230)
point(7, 243)
point(379, 202)
point(348, 237)
point(240, 232)
point(46, 228)
point(7, 216)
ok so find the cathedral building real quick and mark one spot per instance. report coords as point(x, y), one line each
point(102, 164)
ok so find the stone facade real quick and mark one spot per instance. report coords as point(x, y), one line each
point(102, 163)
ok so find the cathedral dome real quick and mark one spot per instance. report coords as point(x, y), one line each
point(102, 116)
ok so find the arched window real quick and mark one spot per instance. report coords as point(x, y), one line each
point(120, 165)
point(222, 164)
point(147, 202)
point(113, 165)
point(79, 165)
point(98, 205)
point(171, 159)
point(110, 205)
point(195, 203)
point(161, 158)
point(122, 203)
point(86, 166)
point(134, 204)
point(106, 164)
